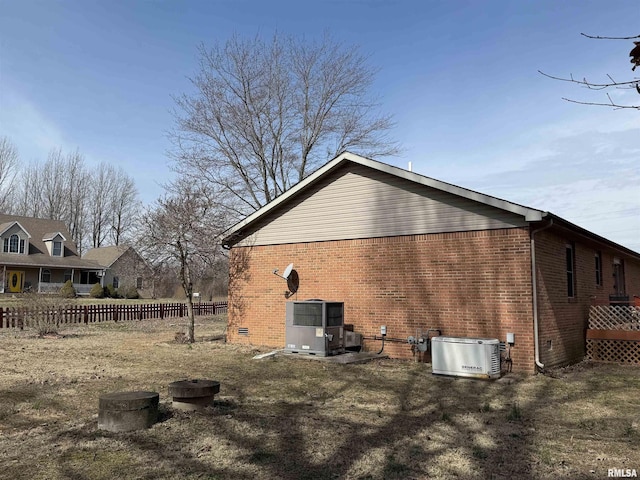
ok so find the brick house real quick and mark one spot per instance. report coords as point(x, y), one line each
point(411, 252)
point(122, 267)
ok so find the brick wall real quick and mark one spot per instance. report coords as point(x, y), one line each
point(564, 320)
point(474, 284)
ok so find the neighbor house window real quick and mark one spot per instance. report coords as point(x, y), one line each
point(57, 249)
point(571, 270)
point(139, 283)
point(598, 268)
point(46, 276)
point(13, 243)
point(115, 282)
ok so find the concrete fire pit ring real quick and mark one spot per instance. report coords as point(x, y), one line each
point(191, 395)
point(127, 411)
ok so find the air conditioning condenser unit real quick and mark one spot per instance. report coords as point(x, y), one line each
point(466, 357)
point(314, 327)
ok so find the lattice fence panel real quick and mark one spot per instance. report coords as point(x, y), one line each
point(614, 317)
point(616, 351)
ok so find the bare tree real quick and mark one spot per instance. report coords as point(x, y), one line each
point(266, 113)
point(179, 230)
point(8, 170)
point(124, 207)
point(95, 208)
point(29, 183)
point(77, 195)
point(56, 189)
point(54, 203)
point(102, 186)
point(610, 82)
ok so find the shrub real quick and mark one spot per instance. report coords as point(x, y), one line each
point(130, 292)
point(97, 291)
point(67, 290)
point(46, 323)
point(111, 291)
point(44, 313)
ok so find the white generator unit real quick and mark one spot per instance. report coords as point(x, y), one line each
point(466, 357)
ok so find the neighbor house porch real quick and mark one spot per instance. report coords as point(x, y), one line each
point(16, 279)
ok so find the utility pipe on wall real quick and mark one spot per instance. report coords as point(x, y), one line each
point(534, 286)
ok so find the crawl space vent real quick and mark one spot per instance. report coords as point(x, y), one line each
point(243, 331)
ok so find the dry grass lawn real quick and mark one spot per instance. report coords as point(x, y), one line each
point(289, 418)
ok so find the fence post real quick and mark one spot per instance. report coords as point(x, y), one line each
point(2, 318)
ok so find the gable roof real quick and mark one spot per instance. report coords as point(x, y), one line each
point(50, 236)
point(528, 214)
point(7, 225)
point(106, 256)
point(39, 229)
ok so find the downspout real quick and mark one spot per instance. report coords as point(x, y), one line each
point(534, 286)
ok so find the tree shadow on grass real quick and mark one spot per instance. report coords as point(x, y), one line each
point(27, 406)
point(414, 427)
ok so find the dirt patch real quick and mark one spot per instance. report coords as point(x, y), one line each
point(285, 418)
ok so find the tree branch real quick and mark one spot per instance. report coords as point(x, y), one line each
point(612, 104)
point(592, 86)
point(597, 37)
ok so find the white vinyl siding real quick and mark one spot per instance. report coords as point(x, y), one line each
point(358, 202)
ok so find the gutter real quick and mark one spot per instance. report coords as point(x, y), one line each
point(534, 286)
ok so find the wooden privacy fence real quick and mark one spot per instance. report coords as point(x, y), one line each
point(614, 334)
point(21, 317)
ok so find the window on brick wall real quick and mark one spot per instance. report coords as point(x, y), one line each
point(598, 259)
point(571, 270)
point(619, 286)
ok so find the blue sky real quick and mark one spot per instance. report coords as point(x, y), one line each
point(459, 77)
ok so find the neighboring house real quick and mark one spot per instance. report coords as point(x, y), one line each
point(122, 267)
point(413, 253)
point(38, 255)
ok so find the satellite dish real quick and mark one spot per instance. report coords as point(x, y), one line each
point(287, 271)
